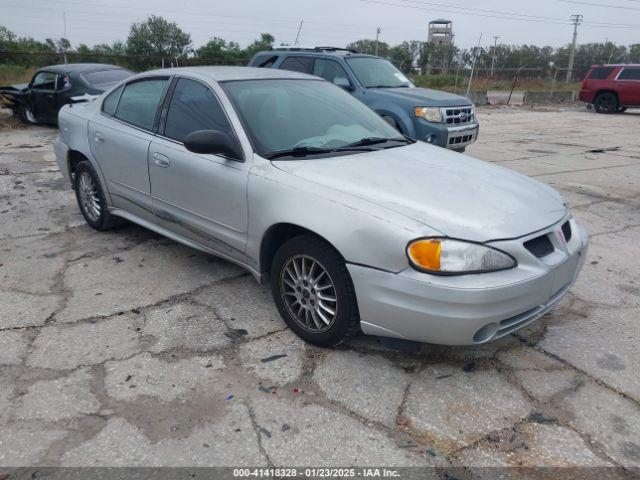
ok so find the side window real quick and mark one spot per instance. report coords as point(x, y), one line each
point(600, 73)
point(194, 107)
point(264, 61)
point(44, 81)
point(110, 103)
point(139, 102)
point(298, 64)
point(629, 73)
point(331, 71)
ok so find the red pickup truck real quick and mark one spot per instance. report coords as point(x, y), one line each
point(612, 88)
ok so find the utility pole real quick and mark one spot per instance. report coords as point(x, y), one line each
point(577, 20)
point(64, 22)
point(493, 59)
point(473, 66)
point(298, 34)
point(378, 30)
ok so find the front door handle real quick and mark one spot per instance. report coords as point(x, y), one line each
point(98, 137)
point(161, 160)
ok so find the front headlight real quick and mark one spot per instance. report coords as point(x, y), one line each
point(444, 256)
point(430, 114)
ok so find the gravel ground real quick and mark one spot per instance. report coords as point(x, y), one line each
point(127, 349)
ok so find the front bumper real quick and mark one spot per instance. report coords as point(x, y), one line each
point(453, 137)
point(469, 309)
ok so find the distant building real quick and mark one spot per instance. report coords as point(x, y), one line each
point(441, 32)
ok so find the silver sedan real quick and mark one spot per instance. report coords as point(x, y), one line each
point(355, 226)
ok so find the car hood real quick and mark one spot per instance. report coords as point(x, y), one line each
point(456, 195)
point(420, 97)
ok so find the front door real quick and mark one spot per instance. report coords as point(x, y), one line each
point(43, 96)
point(202, 197)
point(120, 137)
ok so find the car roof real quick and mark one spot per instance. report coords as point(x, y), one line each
point(222, 74)
point(314, 53)
point(80, 67)
point(617, 65)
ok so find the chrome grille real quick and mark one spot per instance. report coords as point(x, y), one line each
point(454, 116)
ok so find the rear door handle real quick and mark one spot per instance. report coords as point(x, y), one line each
point(98, 137)
point(161, 160)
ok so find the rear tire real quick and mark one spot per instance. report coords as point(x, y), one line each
point(27, 116)
point(91, 199)
point(313, 291)
point(606, 102)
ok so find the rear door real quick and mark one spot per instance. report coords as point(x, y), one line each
point(120, 137)
point(202, 197)
point(628, 86)
point(302, 64)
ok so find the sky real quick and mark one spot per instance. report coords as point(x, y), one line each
point(331, 22)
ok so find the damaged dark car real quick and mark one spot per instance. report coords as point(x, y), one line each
point(52, 87)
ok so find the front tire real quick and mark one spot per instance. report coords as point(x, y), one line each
point(313, 291)
point(27, 116)
point(91, 199)
point(606, 102)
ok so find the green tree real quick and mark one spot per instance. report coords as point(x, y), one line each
point(157, 38)
point(218, 50)
point(265, 42)
point(369, 47)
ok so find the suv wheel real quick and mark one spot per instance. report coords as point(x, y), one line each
point(91, 198)
point(313, 291)
point(606, 102)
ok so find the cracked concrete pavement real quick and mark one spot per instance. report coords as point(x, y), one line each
point(127, 349)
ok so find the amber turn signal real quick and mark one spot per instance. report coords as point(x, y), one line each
point(426, 254)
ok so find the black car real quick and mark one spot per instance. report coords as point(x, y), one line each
point(55, 86)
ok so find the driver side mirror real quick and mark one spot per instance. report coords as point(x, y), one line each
point(343, 82)
point(214, 142)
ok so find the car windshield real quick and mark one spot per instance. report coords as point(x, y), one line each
point(308, 116)
point(378, 73)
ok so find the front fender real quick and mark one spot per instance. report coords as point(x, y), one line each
point(363, 233)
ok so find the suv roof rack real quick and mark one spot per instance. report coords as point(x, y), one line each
point(315, 49)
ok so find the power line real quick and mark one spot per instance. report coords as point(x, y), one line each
point(558, 21)
point(606, 5)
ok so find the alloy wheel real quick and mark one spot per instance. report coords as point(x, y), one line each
point(89, 198)
point(309, 293)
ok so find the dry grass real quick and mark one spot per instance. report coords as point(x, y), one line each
point(448, 83)
point(8, 121)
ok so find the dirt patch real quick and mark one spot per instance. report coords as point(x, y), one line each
point(9, 121)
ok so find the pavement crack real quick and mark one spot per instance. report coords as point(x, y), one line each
point(258, 431)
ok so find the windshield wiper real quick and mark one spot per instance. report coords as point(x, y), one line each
point(298, 152)
point(363, 142)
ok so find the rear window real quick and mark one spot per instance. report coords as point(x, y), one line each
point(630, 74)
point(264, 61)
point(110, 103)
point(600, 73)
point(104, 77)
